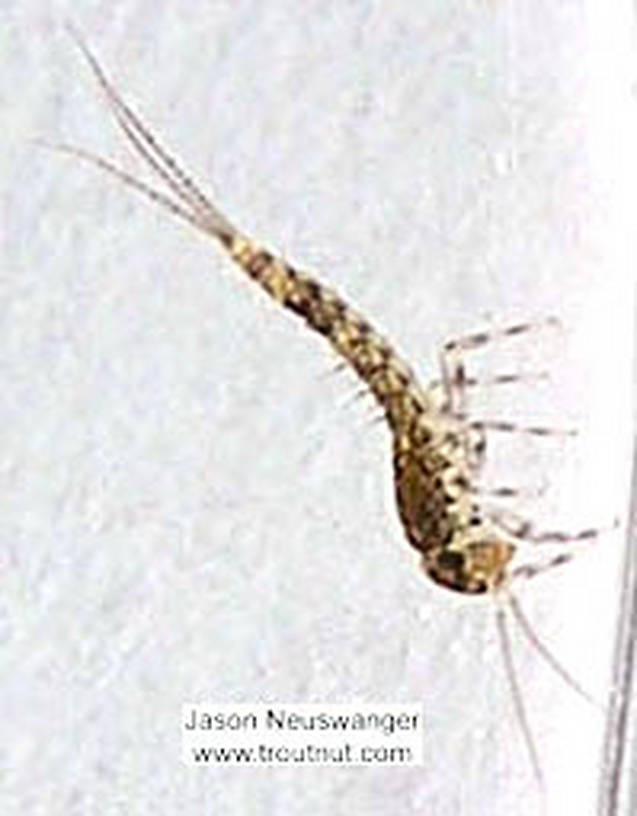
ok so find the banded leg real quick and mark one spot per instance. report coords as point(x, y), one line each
point(454, 376)
point(524, 530)
point(532, 570)
point(506, 492)
point(470, 342)
point(512, 427)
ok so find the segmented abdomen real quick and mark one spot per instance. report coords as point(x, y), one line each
point(389, 379)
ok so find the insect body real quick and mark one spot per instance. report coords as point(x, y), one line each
point(441, 519)
point(432, 453)
point(437, 452)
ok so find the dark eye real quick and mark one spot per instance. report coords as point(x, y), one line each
point(453, 561)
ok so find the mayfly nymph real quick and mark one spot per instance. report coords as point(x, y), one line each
point(438, 452)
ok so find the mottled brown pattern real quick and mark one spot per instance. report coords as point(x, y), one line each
point(437, 451)
point(432, 475)
point(350, 335)
point(432, 460)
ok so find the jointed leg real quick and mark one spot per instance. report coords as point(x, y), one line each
point(524, 530)
point(469, 342)
point(455, 380)
point(511, 427)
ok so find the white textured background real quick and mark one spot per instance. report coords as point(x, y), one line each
point(191, 507)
